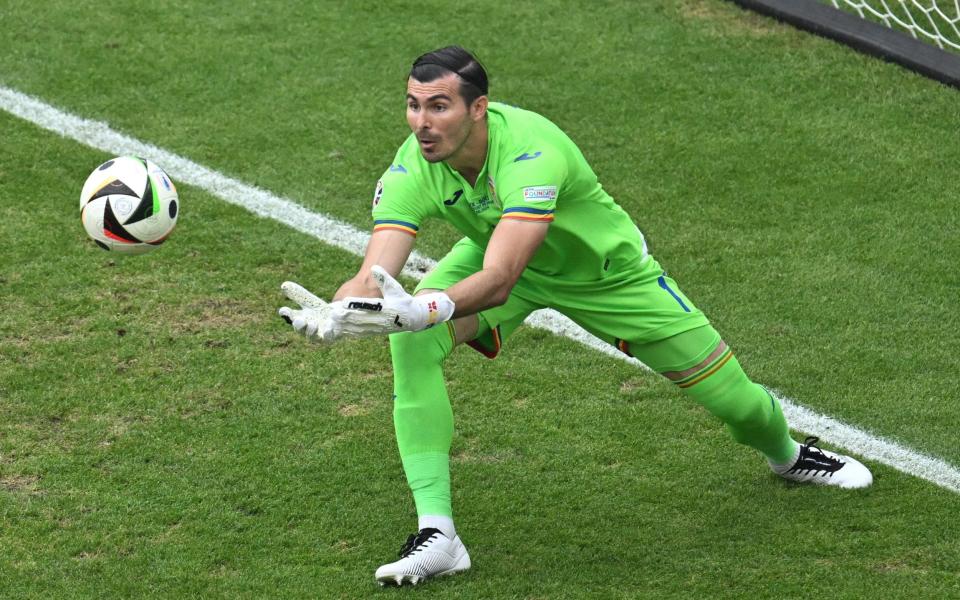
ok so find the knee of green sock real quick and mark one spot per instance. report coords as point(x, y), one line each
point(413, 348)
point(729, 394)
point(749, 412)
point(422, 416)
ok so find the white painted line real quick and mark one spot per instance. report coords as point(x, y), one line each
point(347, 237)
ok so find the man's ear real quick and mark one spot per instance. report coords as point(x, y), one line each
point(478, 110)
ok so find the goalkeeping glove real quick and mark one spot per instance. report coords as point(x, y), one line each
point(396, 311)
point(314, 319)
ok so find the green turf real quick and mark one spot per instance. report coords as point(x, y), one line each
point(163, 434)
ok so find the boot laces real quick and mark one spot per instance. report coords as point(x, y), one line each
point(814, 460)
point(415, 541)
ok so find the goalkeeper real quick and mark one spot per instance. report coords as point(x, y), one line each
point(539, 232)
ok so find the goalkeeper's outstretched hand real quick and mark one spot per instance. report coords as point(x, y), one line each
point(314, 319)
point(396, 311)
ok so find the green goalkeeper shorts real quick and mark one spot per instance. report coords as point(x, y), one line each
point(638, 304)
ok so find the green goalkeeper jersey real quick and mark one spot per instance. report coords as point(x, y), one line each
point(533, 172)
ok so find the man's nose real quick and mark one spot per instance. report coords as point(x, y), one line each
point(422, 121)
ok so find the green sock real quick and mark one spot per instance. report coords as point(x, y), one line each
point(422, 415)
point(751, 414)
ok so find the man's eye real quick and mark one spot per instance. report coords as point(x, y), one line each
point(411, 106)
point(439, 107)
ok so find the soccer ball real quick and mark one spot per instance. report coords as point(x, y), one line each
point(129, 205)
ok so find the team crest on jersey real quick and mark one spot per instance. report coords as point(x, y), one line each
point(378, 193)
point(493, 193)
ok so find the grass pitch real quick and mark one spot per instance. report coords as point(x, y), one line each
point(162, 433)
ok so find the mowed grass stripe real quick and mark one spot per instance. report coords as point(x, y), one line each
point(331, 231)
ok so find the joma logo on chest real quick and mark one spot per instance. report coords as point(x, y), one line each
point(452, 201)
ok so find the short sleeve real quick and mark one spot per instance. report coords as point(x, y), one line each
point(395, 202)
point(530, 185)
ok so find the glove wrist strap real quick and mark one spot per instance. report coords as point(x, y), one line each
point(438, 307)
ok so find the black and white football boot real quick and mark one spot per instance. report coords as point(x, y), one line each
point(825, 468)
point(426, 554)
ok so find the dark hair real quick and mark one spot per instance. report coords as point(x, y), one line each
point(453, 59)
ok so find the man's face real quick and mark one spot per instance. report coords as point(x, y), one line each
point(438, 116)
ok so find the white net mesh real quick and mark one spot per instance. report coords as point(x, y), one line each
point(933, 21)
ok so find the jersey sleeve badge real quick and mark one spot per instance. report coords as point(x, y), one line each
point(540, 193)
point(378, 193)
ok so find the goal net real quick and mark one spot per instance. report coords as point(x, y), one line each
point(933, 21)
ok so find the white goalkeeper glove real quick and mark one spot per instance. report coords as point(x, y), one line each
point(314, 318)
point(396, 311)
